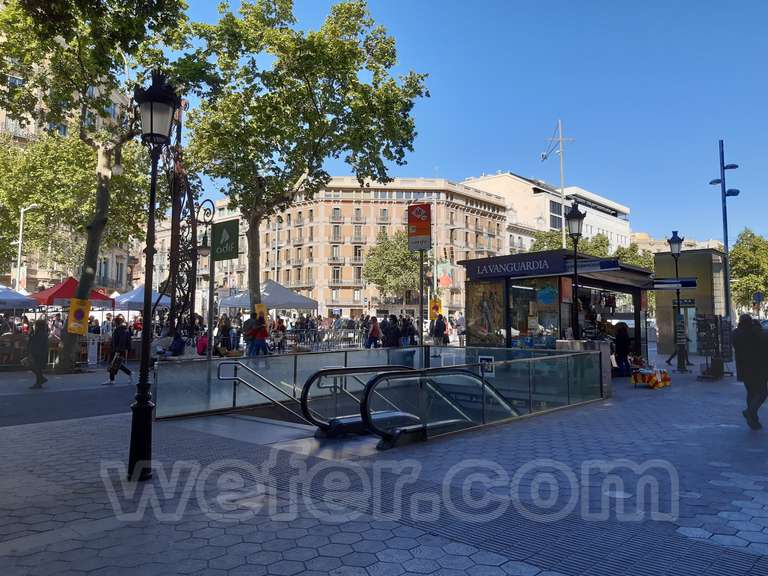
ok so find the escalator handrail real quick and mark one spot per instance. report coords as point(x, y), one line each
point(365, 412)
point(309, 414)
point(499, 397)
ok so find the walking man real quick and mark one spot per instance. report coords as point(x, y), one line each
point(749, 343)
point(121, 344)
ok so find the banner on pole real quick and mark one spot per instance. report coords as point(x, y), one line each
point(77, 321)
point(435, 308)
point(224, 239)
point(419, 227)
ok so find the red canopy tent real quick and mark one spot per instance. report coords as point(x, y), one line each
point(61, 294)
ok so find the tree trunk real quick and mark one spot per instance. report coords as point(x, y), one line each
point(70, 345)
point(254, 253)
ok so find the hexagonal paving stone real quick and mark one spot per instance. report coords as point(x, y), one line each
point(300, 554)
point(370, 546)
point(481, 570)
point(323, 564)
point(455, 562)
point(758, 537)
point(431, 552)
point(345, 538)
point(394, 555)
point(728, 540)
point(279, 545)
point(385, 569)
point(459, 549)
point(421, 566)
point(488, 558)
point(285, 568)
point(264, 557)
point(361, 559)
point(694, 532)
point(401, 543)
point(377, 534)
point(336, 550)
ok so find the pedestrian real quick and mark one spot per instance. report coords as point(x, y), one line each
point(279, 335)
point(439, 331)
point(461, 328)
point(121, 345)
point(374, 334)
point(749, 343)
point(38, 352)
point(248, 327)
point(622, 349)
point(260, 334)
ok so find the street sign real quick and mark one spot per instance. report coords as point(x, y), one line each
point(435, 308)
point(588, 266)
point(224, 240)
point(419, 227)
point(673, 283)
point(77, 321)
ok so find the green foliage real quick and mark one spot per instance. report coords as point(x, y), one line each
point(598, 246)
point(287, 100)
point(632, 255)
point(749, 267)
point(391, 266)
point(57, 174)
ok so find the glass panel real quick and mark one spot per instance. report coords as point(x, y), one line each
point(584, 377)
point(549, 383)
point(513, 381)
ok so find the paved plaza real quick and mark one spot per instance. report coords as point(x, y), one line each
point(667, 481)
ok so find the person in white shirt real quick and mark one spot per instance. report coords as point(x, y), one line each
point(461, 327)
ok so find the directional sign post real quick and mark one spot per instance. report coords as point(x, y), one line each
point(224, 237)
point(673, 283)
point(420, 238)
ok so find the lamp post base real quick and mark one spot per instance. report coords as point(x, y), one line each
point(140, 455)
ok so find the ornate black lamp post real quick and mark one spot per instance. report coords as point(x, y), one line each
point(675, 247)
point(574, 220)
point(205, 213)
point(157, 106)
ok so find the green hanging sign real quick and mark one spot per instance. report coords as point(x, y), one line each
point(224, 236)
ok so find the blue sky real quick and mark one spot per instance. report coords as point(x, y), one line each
point(646, 89)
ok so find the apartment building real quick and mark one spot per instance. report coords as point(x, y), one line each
point(534, 205)
point(645, 242)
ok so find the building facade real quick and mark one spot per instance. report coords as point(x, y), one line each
point(646, 243)
point(536, 205)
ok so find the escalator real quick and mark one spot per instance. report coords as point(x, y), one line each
point(330, 399)
point(439, 401)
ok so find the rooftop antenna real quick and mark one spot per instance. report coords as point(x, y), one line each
point(557, 145)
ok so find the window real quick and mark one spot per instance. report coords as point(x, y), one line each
point(310, 254)
point(335, 295)
point(555, 222)
point(335, 252)
point(336, 232)
point(15, 82)
point(311, 233)
point(356, 295)
point(298, 275)
point(336, 214)
point(358, 214)
point(358, 232)
point(288, 236)
point(520, 242)
point(287, 276)
point(383, 215)
point(452, 218)
point(555, 208)
point(358, 254)
point(466, 221)
point(382, 230)
point(60, 127)
point(358, 274)
point(311, 216)
point(298, 254)
point(287, 219)
point(466, 238)
point(336, 274)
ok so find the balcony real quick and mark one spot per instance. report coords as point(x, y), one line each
point(299, 223)
point(358, 219)
point(383, 219)
point(305, 283)
point(347, 303)
point(297, 240)
point(336, 239)
point(359, 239)
point(479, 227)
point(359, 260)
point(344, 282)
point(337, 219)
point(335, 260)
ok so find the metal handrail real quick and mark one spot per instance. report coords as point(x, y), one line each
point(237, 378)
point(365, 412)
point(348, 370)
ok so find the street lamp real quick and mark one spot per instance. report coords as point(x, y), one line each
point(574, 220)
point(21, 241)
point(205, 213)
point(725, 193)
point(157, 108)
point(675, 247)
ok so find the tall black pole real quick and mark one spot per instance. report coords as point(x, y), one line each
point(680, 340)
point(575, 289)
point(141, 420)
point(726, 260)
point(421, 297)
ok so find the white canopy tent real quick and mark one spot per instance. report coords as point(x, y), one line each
point(134, 300)
point(10, 299)
point(273, 296)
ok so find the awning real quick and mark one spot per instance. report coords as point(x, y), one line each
point(273, 296)
point(134, 300)
point(10, 299)
point(61, 294)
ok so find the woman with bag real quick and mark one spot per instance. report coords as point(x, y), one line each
point(38, 352)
